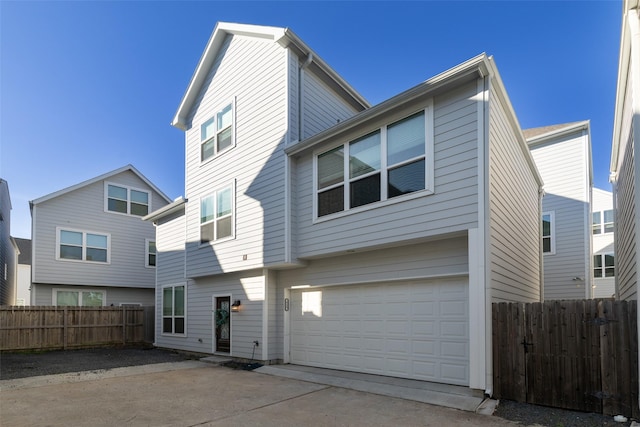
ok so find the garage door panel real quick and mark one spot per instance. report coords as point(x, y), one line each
point(410, 330)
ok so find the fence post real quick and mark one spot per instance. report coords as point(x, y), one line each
point(124, 324)
point(64, 328)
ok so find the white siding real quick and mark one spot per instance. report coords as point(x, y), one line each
point(513, 211)
point(83, 209)
point(452, 208)
point(43, 294)
point(603, 243)
point(563, 164)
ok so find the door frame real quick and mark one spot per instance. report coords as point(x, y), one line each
point(214, 299)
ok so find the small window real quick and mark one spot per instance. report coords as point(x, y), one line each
point(216, 215)
point(596, 224)
point(608, 221)
point(602, 222)
point(150, 253)
point(173, 310)
point(78, 298)
point(548, 241)
point(126, 200)
point(604, 265)
point(216, 134)
point(83, 246)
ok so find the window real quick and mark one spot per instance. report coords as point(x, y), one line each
point(126, 200)
point(602, 222)
point(386, 163)
point(78, 298)
point(150, 255)
point(83, 246)
point(604, 265)
point(173, 309)
point(548, 240)
point(216, 134)
point(216, 215)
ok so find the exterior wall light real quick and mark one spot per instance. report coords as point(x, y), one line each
point(235, 307)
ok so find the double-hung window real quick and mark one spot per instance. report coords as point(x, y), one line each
point(127, 200)
point(150, 253)
point(216, 134)
point(173, 309)
point(83, 246)
point(217, 215)
point(77, 298)
point(602, 222)
point(386, 163)
point(604, 265)
point(548, 239)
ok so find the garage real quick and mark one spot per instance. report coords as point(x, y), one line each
point(413, 329)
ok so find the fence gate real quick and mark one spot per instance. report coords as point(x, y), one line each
point(572, 354)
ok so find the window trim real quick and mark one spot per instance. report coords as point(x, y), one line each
point(84, 245)
point(552, 235)
point(214, 138)
point(54, 294)
point(147, 253)
point(129, 189)
point(173, 316)
point(384, 169)
point(604, 267)
point(232, 186)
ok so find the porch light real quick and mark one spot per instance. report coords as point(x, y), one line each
point(235, 307)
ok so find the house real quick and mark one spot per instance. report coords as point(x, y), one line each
point(321, 231)
point(604, 283)
point(23, 286)
point(8, 249)
point(89, 244)
point(563, 156)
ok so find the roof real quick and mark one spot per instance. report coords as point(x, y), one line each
point(24, 246)
point(544, 131)
point(286, 38)
point(175, 206)
point(98, 179)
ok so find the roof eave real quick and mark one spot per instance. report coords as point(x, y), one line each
point(165, 211)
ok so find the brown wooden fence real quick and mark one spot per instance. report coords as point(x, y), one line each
point(38, 327)
point(573, 354)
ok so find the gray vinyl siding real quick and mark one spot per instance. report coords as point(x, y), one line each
point(563, 165)
point(322, 109)
point(294, 113)
point(513, 211)
point(43, 294)
point(170, 245)
point(452, 208)
point(626, 238)
point(246, 325)
point(83, 210)
point(252, 71)
point(8, 255)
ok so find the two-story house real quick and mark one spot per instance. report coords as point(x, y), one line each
point(563, 156)
point(603, 224)
point(89, 244)
point(8, 249)
point(321, 231)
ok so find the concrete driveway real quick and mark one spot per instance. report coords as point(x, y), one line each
point(197, 394)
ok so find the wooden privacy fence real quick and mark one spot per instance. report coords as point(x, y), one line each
point(572, 354)
point(37, 327)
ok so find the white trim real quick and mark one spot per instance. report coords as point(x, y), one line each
point(552, 215)
point(286, 354)
point(214, 301)
point(264, 343)
point(186, 311)
point(214, 194)
point(477, 333)
point(84, 245)
point(214, 138)
point(147, 253)
point(79, 290)
point(129, 201)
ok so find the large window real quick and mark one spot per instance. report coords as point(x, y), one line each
point(386, 163)
point(604, 265)
point(78, 245)
point(173, 309)
point(78, 298)
point(216, 134)
point(216, 215)
point(548, 239)
point(127, 200)
point(150, 253)
point(602, 222)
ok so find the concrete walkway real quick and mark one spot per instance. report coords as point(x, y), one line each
point(199, 394)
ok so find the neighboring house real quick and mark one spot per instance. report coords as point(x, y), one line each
point(89, 244)
point(563, 157)
point(8, 249)
point(23, 287)
point(604, 283)
point(339, 235)
point(625, 169)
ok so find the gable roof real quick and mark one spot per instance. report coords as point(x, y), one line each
point(97, 179)
point(286, 38)
point(534, 135)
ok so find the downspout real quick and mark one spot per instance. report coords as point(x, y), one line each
point(540, 252)
point(613, 179)
point(304, 65)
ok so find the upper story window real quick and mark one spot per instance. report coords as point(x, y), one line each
point(548, 238)
point(604, 265)
point(127, 200)
point(602, 222)
point(150, 255)
point(386, 163)
point(77, 298)
point(77, 245)
point(217, 215)
point(216, 134)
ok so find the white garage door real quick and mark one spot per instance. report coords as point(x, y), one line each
point(417, 330)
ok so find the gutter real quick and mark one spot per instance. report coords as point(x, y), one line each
point(175, 206)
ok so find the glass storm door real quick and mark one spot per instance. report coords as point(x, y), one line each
point(223, 324)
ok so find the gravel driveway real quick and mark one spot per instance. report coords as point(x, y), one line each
point(29, 364)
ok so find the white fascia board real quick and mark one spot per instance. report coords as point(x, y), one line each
point(571, 128)
point(164, 211)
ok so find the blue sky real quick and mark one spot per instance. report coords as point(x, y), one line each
point(88, 87)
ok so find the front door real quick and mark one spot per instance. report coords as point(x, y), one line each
point(222, 319)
